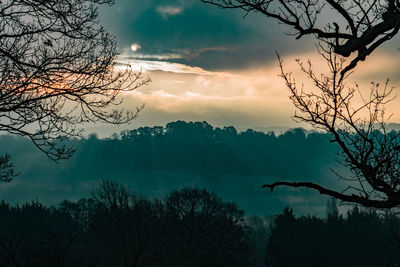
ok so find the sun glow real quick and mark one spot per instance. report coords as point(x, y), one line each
point(135, 47)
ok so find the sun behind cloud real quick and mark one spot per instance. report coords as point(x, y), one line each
point(135, 47)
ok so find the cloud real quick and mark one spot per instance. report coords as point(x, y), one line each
point(128, 57)
point(203, 35)
point(245, 99)
point(167, 11)
point(192, 54)
point(157, 63)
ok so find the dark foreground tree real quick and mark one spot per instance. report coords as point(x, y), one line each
point(202, 230)
point(335, 241)
point(190, 227)
point(357, 123)
point(57, 71)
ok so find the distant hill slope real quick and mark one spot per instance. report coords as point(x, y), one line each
point(155, 160)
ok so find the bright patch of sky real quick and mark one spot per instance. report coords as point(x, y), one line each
point(148, 63)
point(167, 11)
point(135, 47)
point(212, 64)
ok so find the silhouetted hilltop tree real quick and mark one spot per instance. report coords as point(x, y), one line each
point(189, 129)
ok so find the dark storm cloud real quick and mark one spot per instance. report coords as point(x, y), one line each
point(203, 35)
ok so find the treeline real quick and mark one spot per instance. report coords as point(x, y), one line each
point(361, 238)
point(189, 227)
point(199, 147)
point(115, 227)
point(190, 147)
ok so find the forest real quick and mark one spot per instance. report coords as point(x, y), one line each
point(156, 160)
point(189, 227)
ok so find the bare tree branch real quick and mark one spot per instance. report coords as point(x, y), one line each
point(379, 204)
point(359, 26)
point(57, 71)
point(367, 148)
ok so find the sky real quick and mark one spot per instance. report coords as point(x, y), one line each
point(218, 65)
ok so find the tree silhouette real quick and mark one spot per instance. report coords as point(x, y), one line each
point(128, 221)
point(57, 71)
point(358, 26)
point(202, 230)
point(311, 241)
point(33, 235)
point(367, 148)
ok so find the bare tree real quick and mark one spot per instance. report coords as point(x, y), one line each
point(359, 26)
point(367, 148)
point(358, 127)
point(57, 71)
